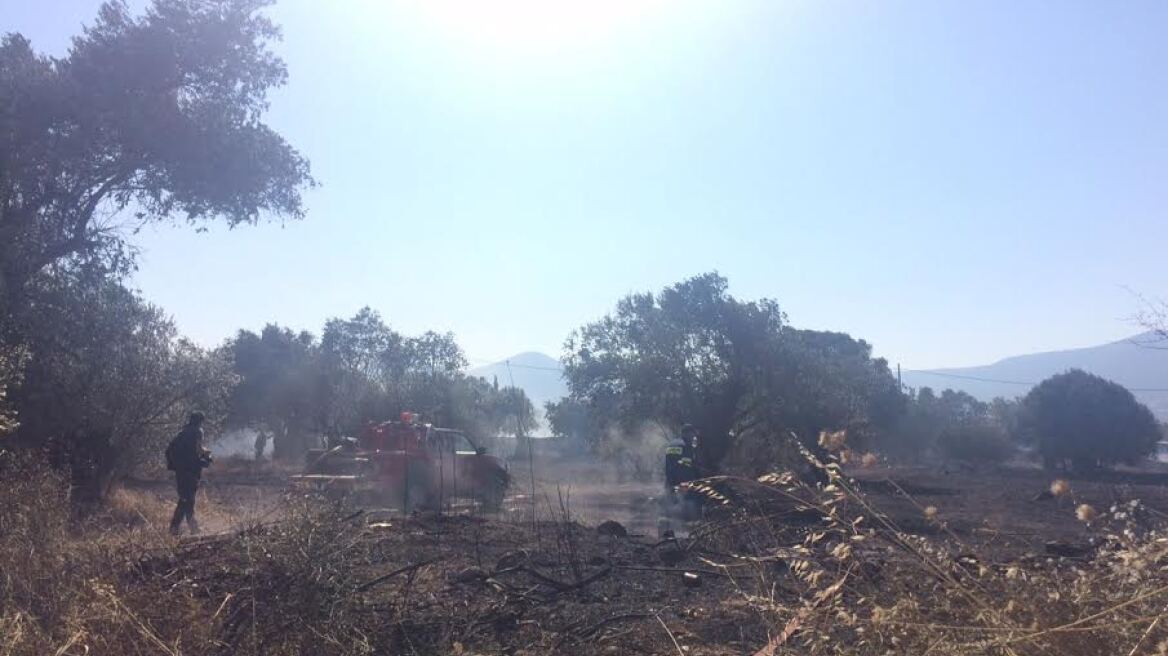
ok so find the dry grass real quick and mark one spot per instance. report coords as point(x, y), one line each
point(785, 568)
point(859, 584)
point(57, 590)
point(69, 584)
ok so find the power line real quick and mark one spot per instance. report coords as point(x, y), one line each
point(532, 366)
point(1015, 382)
point(912, 371)
point(508, 364)
point(962, 377)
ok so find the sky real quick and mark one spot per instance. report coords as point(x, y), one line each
point(954, 182)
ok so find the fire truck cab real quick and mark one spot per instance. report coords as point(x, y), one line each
point(411, 464)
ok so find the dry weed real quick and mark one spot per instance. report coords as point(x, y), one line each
point(861, 585)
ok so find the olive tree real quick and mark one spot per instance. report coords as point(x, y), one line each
point(147, 118)
point(1086, 420)
point(108, 381)
point(11, 360)
point(693, 353)
point(282, 388)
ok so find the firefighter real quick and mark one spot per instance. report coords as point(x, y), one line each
point(261, 443)
point(187, 458)
point(689, 438)
point(680, 458)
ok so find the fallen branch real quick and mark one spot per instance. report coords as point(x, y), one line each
point(562, 587)
point(397, 572)
point(590, 631)
point(675, 570)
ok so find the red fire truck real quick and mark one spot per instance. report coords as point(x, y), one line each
point(410, 464)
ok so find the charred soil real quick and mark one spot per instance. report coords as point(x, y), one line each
point(882, 561)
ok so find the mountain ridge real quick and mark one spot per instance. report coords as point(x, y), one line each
point(539, 375)
point(1131, 362)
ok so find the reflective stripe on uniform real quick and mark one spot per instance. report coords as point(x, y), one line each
point(688, 462)
point(673, 450)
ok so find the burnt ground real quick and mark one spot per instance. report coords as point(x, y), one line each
point(1004, 511)
point(545, 578)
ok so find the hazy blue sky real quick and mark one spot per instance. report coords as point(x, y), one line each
point(953, 181)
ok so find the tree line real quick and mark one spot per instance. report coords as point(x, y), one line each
point(756, 387)
point(296, 387)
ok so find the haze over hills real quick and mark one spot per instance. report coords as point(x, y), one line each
point(536, 374)
point(1135, 363)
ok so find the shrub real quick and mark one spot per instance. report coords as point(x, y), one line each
point(1087, 420)
point(976, 443)
point(34, 515)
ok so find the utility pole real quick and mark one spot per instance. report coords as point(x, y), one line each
point(519, 418)
point(899, 382)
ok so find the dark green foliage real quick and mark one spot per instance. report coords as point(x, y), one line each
point(107, 379)
point(297, 387)
point(978, 442)
point(951, 426)
point(11, 368)
point(570, 418)
point(279, 384)
point(1088, 421)
point(695, 354)
point(159, 113)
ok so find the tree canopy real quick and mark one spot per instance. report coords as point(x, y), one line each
point(1087, 420)
point(952, 425)
point(695, 354)
point(107, 379)
point(158, 116)
point(147, 118)
point(298, 387)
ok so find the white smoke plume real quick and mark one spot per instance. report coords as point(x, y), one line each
point(237, 443)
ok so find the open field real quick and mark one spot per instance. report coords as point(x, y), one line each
point(888, 561)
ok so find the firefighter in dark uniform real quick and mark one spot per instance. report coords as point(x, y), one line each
point(187, 458)
point(681, 459)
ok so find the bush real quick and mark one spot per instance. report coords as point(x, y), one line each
point(863, 585)
point(69, 587)
point(107, 381)
point(1087, 420)
point(34, 515)
point(754, 453)
point(11, 364)
point(976, 443)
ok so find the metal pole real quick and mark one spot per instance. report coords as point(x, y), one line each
point(519, 435)
point(405, 459)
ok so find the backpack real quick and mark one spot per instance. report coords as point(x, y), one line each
point(171, 452)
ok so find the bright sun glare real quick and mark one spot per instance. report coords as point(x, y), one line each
point(527, 26)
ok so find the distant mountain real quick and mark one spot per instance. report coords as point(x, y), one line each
point(536, 374)
point(1131, 362)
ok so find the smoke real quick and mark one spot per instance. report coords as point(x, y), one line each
point(238, 443)
point(619, 457)
point(622, 479)
point(635, 455)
